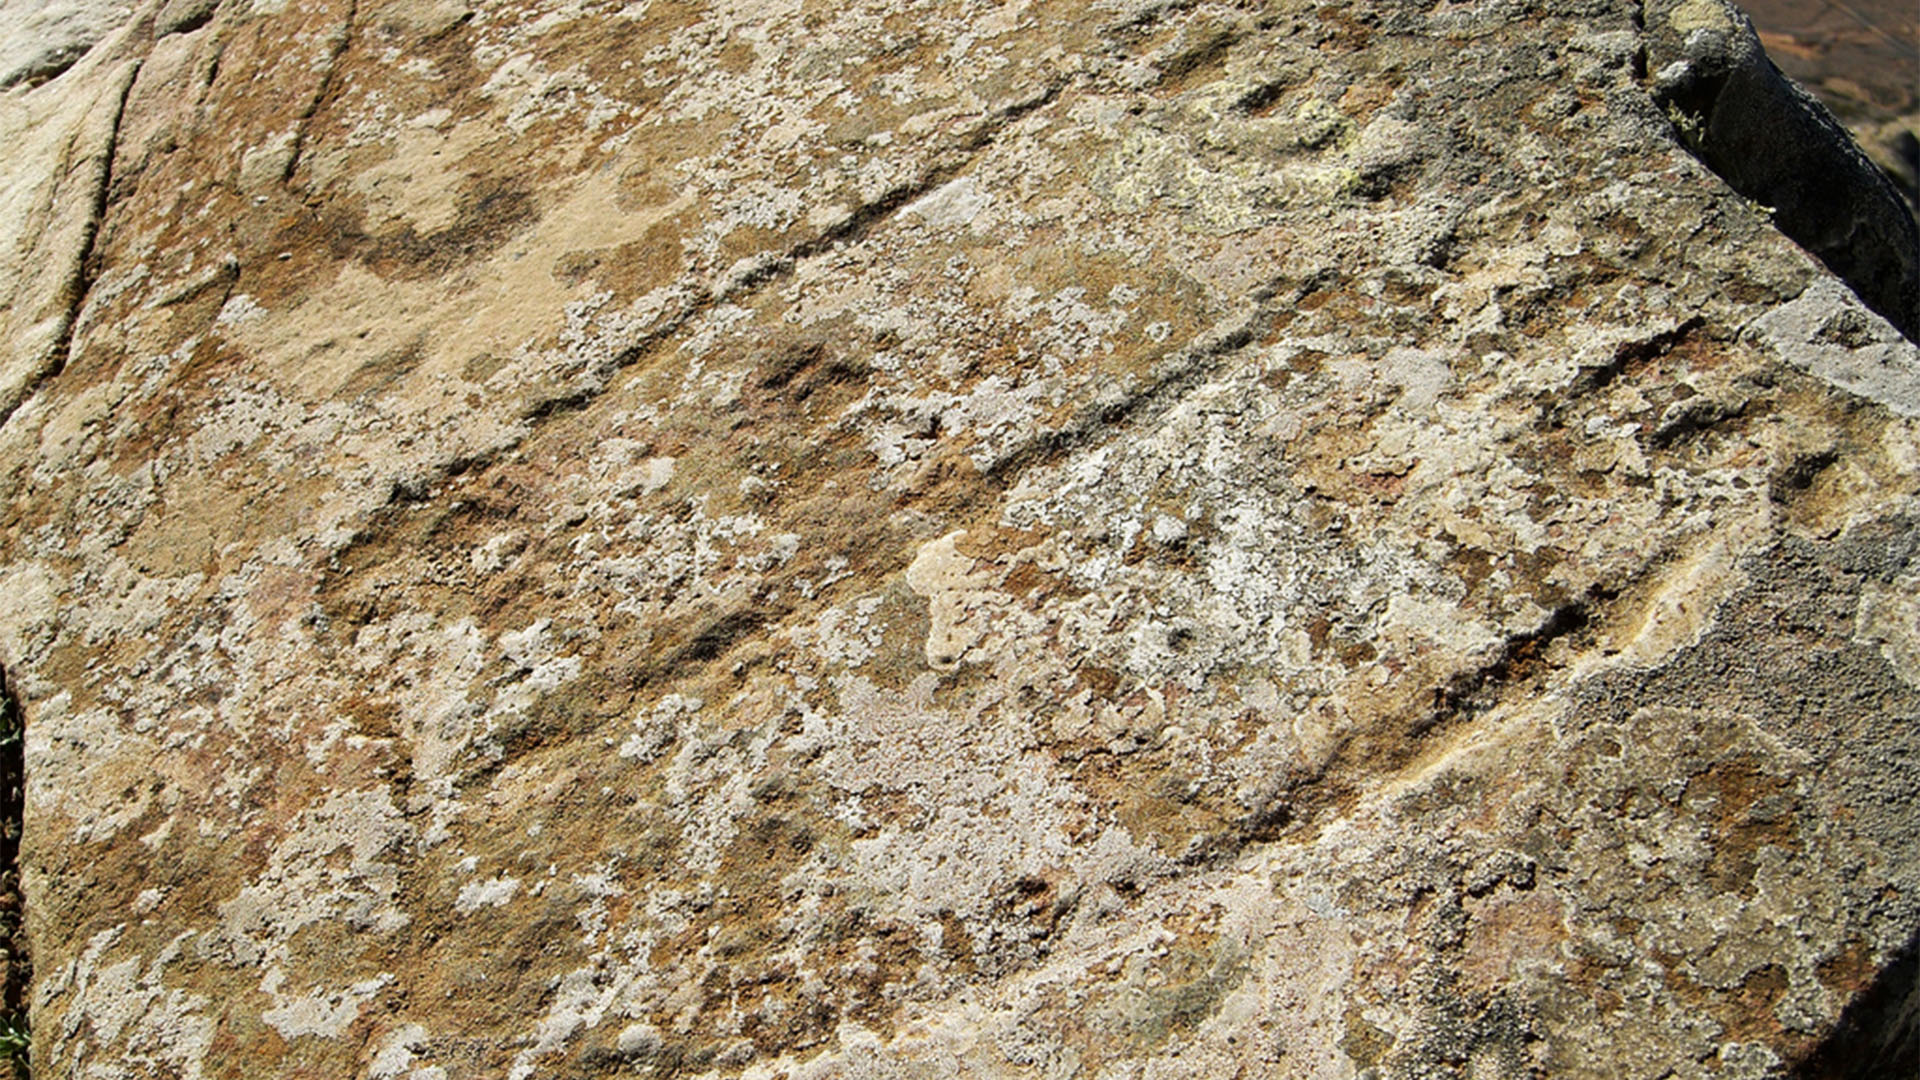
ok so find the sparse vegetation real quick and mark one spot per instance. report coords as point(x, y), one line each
point(14, 1045)
point(16, 969)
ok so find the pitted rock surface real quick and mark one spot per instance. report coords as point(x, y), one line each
point(788, 539)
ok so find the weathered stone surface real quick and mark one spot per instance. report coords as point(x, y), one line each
point(44, 37)
point(944, 539)
point(60, 143)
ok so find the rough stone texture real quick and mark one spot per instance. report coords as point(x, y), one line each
point(59, 149)
point(946, 539)
point(44, 37)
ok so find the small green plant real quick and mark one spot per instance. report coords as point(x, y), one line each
point(15, 1042)
point(1691, 126)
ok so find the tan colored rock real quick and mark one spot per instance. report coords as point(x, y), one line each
point(43, 38)
point(61, 141)
point(946, 539)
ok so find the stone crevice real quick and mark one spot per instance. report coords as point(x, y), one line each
point(1113, 406)
point(1136, 23)
point(50, 67)
point(1773, 143)
point(1402, 750)
point(976, 142)
point(337, 46)
point(102, 194)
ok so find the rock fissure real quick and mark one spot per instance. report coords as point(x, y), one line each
point(965, 150)
point(747, 278)
point(1511, 680)
point(87, 266)
point(1597, 377)
point(1519, 658)
point(51, 65)
point(337, 45)
point(1120, 405)
point(1773, 143)
point(184, 17)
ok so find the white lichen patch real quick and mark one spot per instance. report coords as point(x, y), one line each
point(658, 728)
point(493, 892)
point(238, 310)
point(319, 1013)
point(1889, 619)
point(127, 1008)
point(302, 886)
point(952, 587)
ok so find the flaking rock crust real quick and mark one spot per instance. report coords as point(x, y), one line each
point(581, 538)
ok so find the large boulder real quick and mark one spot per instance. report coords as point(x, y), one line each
point(793, 539)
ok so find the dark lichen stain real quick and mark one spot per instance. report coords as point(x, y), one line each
point(1460, 1033)
point(1362, 1041)
point(488, 212)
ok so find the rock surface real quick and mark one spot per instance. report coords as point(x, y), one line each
point(44, 37)
point(1124, 539)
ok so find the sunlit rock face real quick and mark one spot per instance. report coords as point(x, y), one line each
point(947, 539)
